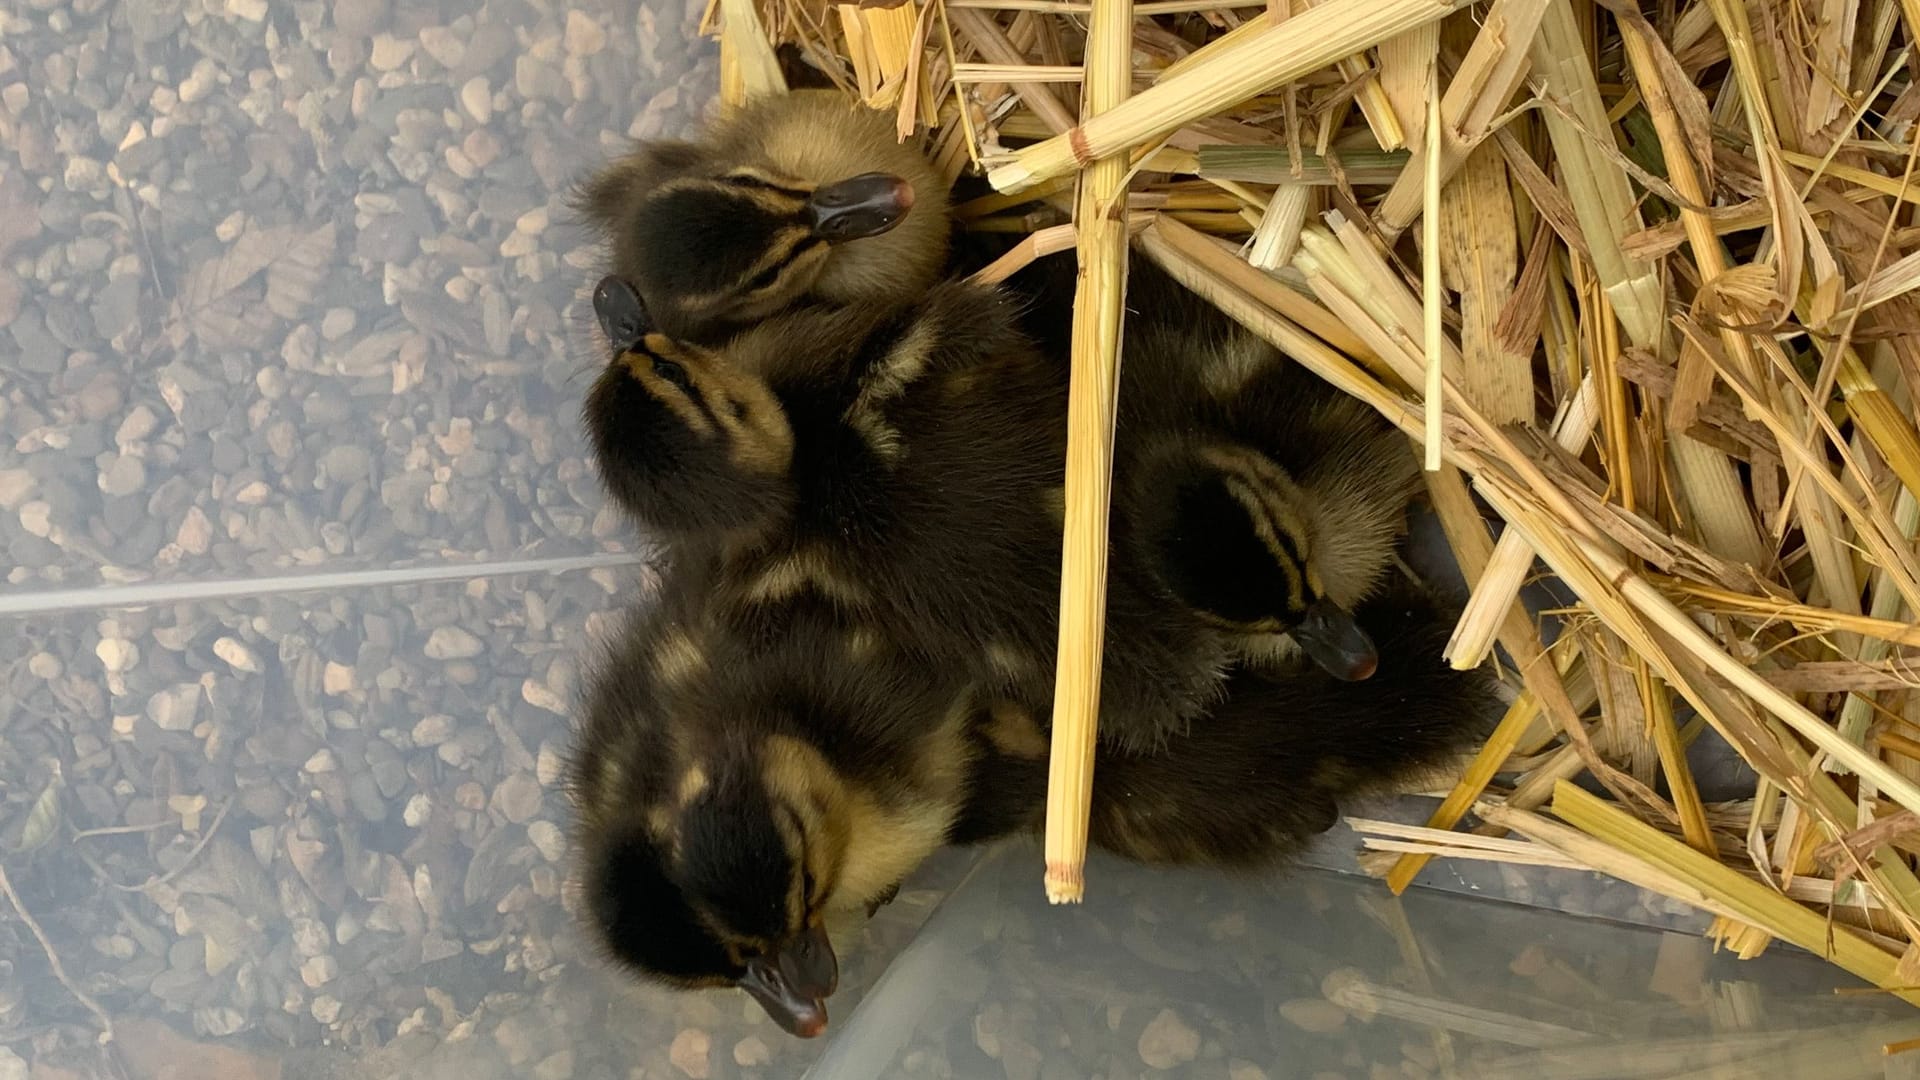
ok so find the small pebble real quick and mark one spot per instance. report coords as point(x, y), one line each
point(584, 36)
point(445, 46)
point(389, 52)
point(481, 147)
point(175, 709)
point(15, 486)
point(690, 1051)
point(548, 839)
point(337, 323)
point(124, 475)
point(1168, 1041)
point(37, 518)
point(195, 532)
point(84, 174)
point(452, 643)
point(751, 1052)
point(517, 798)
point(117, 654)
point(541, 696)
point(549, 766)
point(140, 422)
point(319, 970)
point(237, 655)
point(359, 18)
point(476, 97)
point(337, 678)
point(555, 1066)
point(433, 730)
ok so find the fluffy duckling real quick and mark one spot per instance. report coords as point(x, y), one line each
point(1276, 762)
point(1257, 494)
point(803, 195)
point(904, 462)
point(1247, 489)
point(731, 794)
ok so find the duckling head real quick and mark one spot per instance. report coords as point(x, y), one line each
point(685, 441)
point(802, 194)
point(727, 880)
point(1233, 537)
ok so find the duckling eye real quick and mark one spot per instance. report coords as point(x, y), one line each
point(738, 180)
point(672, 372)
point(806, 885)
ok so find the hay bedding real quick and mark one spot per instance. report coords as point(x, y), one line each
point(1640, 281)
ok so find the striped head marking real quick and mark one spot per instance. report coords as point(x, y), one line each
point(713, 401)
point(1275, 509)
point(684, 440)
point(746, 242)
point(1239, 545)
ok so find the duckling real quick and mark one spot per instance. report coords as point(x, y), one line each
point(1272, 765)
point(1257, 494)
point(1287, 750)
point(732, 794)
point(804, 195)
point(905, 463)
point(1249, 490)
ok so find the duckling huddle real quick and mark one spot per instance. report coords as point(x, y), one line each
point(851, 463)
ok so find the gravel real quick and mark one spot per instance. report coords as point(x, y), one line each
point(260, 263)
point(292, 287)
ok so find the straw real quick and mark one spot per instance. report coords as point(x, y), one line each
point(1433, 327)
point(1098, 315)
point(998, 49)
point(748, 66)
point(1272, 57)
point(1751, 900)
point(1482, 85)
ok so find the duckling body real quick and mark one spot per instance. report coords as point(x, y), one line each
point(1271, 766)
point(802, 196)
point(731, 793)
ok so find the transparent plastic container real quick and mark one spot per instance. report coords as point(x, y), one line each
point(1321, 975)
point(302, 557)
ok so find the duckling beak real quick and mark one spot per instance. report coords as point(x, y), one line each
point(793, 984)
point(867, 205)
point(1330, 636)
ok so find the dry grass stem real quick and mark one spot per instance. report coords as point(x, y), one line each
point(1099, 308)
